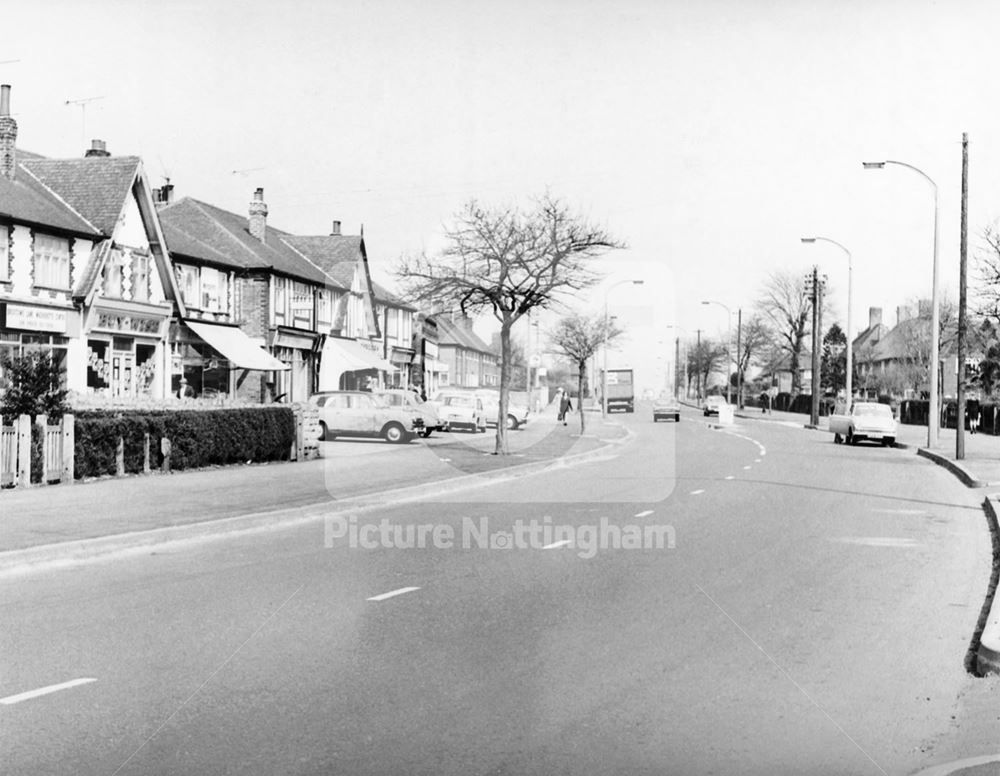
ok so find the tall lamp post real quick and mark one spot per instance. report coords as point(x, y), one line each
point(849, 388)
point(729, 343)
point(604, 373)
point(933, 413)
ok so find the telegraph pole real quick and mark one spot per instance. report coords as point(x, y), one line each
point(698, 366)
point(739, 359)
point(815, 285)
point(962, 322)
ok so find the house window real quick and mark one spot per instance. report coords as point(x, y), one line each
point(212, 285)
point(140, 277)
point(187, 280)
point(4, 254)
point(280, 297)
point(51, 262)
point(301, 306)
point(323, 308)
point(114, 274)
point(392, 323)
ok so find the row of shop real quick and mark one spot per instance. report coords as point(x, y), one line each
point(121, 354)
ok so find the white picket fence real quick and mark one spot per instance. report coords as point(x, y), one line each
point(57, 451)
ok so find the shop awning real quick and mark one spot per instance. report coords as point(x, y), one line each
point(236, 347)
point(346, 355)
point(350, 355)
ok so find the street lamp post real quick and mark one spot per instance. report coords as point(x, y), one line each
point(729, 342)
point(933, 413)
point(604, 374)
point(849, 388)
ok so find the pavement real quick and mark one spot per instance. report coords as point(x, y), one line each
point(57, 524)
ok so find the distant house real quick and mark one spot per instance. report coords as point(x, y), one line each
point(397, 320)
point(471, 363)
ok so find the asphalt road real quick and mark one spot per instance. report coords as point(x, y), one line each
point(808, 612)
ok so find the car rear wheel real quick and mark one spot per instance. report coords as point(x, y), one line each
point(888, 441)
point(851, 439)
point(395, 433)
point(677, 418)
point(512, 423)
point(324, 433)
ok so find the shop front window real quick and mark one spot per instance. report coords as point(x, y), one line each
point(98, 366)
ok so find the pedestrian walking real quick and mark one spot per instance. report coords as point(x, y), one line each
point(565, 405)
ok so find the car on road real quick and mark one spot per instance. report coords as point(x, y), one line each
point(866, 420)
point(666, 406)
point(517, 413)
point(713, 404)
point(401, 397)
point(364, 414)
point(461, 410)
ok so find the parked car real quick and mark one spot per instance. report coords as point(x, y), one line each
point(517, 413)
point(401, 397)
point(461, 410)
point(713, 404)
point(364, 414)
point(865, 420)
point(666, 406)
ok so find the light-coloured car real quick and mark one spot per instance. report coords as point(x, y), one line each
point(401, 397)
point(461, 410)
point(713, 404)
point(865, 420)
point(666, 406)
point(517, 413)
point(364, 414)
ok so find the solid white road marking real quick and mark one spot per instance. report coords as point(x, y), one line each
point(696, 492)
point(561, 543)
point(393, 593)
point(26, 696)
point(643, 514)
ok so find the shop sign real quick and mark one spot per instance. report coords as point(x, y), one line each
point(35, 318)
point(137, 324)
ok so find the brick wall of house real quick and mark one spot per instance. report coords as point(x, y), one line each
point(252, 316)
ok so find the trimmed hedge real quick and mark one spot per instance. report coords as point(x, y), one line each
point(197, 437)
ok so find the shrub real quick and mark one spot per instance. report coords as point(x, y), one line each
point(197, 437)
point(32, 386)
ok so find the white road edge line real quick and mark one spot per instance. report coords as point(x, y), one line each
point(27, 696)
point(643, 514)
point(392, 593)
point(561, 543)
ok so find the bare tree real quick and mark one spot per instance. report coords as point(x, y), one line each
point(704, 358)
point(787, 309)
point(987, 263)
point(578, 338)
point(508, 262)
point(754, 338)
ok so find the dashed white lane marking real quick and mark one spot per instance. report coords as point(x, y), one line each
point(729, 477)
point(393, 593)
point(561, 543)
point(27, 696)
point(696, 492)
point(643, 514)
point(756, 460)
point(878, 541)
point(746, 467)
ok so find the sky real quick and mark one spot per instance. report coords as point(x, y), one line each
point(707, 135)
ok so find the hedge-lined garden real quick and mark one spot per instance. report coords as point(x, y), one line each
point(196, 438)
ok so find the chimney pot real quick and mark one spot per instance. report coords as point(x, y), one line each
point(97, 148)
point(335, 229)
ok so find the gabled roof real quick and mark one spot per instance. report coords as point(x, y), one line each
point(23, 199)
point(95, 187)
point(200, 231)
point(870, 336)
point(336, 254)
point(456, 335)
point(386, 297)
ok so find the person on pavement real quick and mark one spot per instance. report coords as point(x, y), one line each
point(565, 405)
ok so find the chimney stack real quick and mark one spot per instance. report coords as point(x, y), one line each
point(8, 135)
point(258, 216)
point(97, 148)
point(335, 230)
point(874, 317)
point(902, 314)
point(164, 195)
